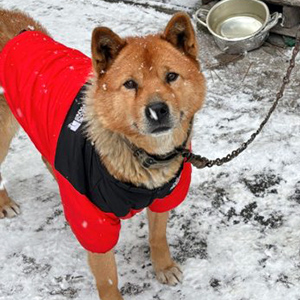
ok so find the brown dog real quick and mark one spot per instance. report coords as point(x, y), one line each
point(144, 91)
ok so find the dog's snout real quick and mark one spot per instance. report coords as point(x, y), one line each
point(157, 112)
point(158, 117)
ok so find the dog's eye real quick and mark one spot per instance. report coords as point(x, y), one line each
point(170, 77)
point(131, 85)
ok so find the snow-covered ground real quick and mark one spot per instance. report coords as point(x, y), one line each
point(237, 235)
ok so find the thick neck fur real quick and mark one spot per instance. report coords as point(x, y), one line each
point(118, 158)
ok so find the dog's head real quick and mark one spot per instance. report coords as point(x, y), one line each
point(148, 88)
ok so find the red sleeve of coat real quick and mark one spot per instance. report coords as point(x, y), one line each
point(96, 231)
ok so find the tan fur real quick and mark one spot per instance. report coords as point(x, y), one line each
point(8, 128)
point(104, 269)
point(166, 269)
point(13, 22)
point(114, 113)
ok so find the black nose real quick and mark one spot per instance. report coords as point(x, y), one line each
point(157, 112)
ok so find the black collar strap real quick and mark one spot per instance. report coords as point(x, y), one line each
point(157, 161)
point(24, 30)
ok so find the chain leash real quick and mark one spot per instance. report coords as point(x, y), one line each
point(201, 162)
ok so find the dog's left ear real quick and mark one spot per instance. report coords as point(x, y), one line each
point(106, 45)
point(181, 34)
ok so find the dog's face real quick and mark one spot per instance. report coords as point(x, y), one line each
point(148, 88)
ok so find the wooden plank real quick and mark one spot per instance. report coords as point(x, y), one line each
point(285, 31)
point(206, 1)
point(291, 16)
point(284, 2)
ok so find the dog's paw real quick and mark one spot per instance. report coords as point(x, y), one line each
point(9, 209)
point(171, 275)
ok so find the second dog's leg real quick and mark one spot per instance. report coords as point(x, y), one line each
point(167, 271)
point(48, 166)
point(8, 128)
point(104, 268)
point(8, 208)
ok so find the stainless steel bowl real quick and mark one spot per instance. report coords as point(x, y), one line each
point(238, 25)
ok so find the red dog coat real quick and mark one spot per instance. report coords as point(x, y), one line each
point(43, 85)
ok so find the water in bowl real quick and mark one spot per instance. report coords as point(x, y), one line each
point(238, 27)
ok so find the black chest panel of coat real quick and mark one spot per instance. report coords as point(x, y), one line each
point(77, 160)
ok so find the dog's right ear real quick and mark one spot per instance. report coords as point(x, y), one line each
point(106, 45)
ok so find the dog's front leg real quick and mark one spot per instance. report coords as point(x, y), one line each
point(166, 269)
point(104, 268)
